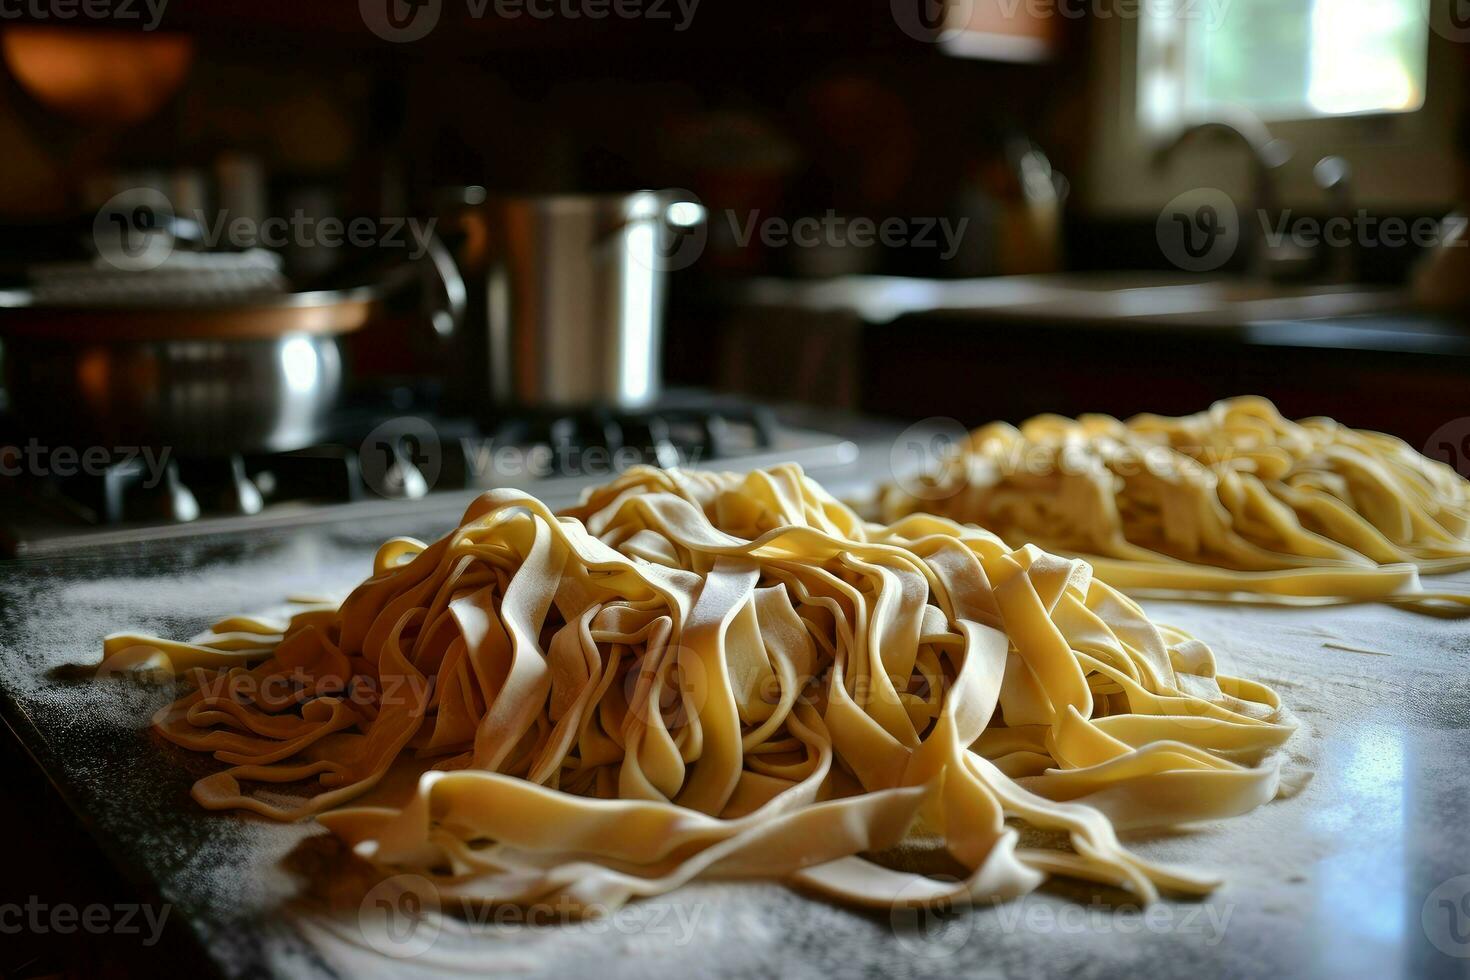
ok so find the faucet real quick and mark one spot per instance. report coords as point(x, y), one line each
point(1266, 152)
point(1334, 175)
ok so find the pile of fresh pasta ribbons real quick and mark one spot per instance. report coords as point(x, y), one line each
point(1236, 501)
point(694, 675)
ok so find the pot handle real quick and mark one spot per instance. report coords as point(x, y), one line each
point(445, 296)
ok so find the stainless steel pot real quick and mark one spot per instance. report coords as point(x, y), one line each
point(198, 397)
point(569, 293)
point(201, 377)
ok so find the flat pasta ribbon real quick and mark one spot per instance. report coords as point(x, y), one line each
point(1234, 501)
point(695, 674)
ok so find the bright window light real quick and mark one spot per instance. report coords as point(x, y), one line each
point(1282, 59)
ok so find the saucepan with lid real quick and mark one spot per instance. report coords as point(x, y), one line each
point(213, 356)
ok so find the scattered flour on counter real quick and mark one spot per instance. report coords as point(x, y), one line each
point(1370, 727)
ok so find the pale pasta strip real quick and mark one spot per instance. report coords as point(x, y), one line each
point(697, 674)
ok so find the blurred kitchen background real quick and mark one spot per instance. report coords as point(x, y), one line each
point(894, 209)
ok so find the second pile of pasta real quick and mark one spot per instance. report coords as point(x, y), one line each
point(1236, 499)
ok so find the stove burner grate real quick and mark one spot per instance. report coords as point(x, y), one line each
point(405, 457)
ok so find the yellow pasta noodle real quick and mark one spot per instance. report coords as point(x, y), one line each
point(1234, 500)
point(693, 675)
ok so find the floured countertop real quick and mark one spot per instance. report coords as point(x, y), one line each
point(1366, 872)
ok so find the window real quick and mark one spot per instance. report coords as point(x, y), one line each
point(1282, 59)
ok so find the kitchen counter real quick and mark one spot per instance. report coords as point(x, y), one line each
point(1365, 873)
point(1116, 343)
point(1344, 317)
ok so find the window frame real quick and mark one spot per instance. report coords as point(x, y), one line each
point(1185, 45)
point(1403, 160)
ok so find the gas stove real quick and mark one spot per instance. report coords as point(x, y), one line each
point(380, 457)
